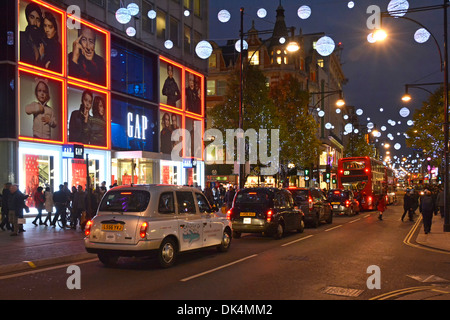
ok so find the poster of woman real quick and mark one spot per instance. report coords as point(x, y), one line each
point(40, 30)
point(87, 114)
point(169, 122)
point(40, 108)
point(193, 93)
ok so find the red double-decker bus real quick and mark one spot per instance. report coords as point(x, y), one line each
point(369, 179)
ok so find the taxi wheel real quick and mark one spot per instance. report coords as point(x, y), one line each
point(301, 227)
point(226, 242)
point(278, 232)
point(167, 253)
point(108, 260)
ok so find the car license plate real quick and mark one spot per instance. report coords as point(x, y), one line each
point(112, 227)
point(248, 214)
point(335, 203)
point(247, 220)
point(335, 206)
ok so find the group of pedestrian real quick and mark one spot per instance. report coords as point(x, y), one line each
point(81, 204)
point(219, 196)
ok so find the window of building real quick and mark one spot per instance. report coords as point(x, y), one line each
point(100, 3)
point(320, 63)
point(133, 70)
point(113, 5)
point(254, 57)
point(197, 8)
point(221, 87)
point(212, 61)
point(174, 31)
point(187, 39)
point(147, 23)
point(211, 87)
point(161, 25)
point(187, 4)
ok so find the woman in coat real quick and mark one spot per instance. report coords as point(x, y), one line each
point(48, 205)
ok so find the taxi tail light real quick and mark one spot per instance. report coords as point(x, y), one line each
point(347, 203)
point(229, 213)
point(310, 203)
point(369, 200)
point(87, 228)
point(143, 230)
point(269, 215)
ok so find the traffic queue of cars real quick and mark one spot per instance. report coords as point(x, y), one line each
point(142, 220)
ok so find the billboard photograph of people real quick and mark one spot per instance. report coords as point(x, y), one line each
point(40, 36)
point(87, 115)
point(193, 94)
point(87, 54)
point(41, 105)
point(169, 122)
point(170, 80)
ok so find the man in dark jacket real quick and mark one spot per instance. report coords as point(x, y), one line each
point(427, 209)
point(5, 197)
point(408, 205)
point(16, 205)
point(60, 200)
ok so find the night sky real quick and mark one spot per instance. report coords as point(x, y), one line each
point(377, 72)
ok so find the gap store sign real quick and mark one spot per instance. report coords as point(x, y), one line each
point(134, 125)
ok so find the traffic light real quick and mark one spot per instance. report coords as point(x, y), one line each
point(306, 174)
point(333, 179)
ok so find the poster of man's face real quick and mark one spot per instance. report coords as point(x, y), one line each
point(193, 93)
point(87, 54)
point(170, 81)
point(169, 122)
point(86, 115)
point(41, 32)
point(40, 109)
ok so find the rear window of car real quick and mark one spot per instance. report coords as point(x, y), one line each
point(125, 201)
point(252, 197)
point(300, 195)
point(338, 195)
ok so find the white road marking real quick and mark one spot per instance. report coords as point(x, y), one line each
point(289, 243)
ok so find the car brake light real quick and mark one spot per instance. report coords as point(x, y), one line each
point(369, 200)
point(269, 216)
point(229, 213)
point(143, 231)
point(87, 228)
point(347, 203)
point(311, 203)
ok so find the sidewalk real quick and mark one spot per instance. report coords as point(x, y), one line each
point(43, 246)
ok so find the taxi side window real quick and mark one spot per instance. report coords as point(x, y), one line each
point(166, 203)
point(185, 201)
point(203, 205)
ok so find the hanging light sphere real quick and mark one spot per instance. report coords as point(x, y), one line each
point(325, 46)
point(203, 49)
point(421, 35)
point(151, 14)
point(359, 112)
point(404, 112)
point(168, 44)
point(328, 125)
point(350, 4)
point(123, 15)
point(224, 16)
point(262, 13)
point(131, 32)
point(237, 45)
point(304, 12)
point(133, 8)
point(398, 8)
point(321, 113)
point(397, 146)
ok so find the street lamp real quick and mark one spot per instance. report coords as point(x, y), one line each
point(444, 67)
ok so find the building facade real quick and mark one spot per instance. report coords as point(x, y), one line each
point(321, 76)
point(88, 99)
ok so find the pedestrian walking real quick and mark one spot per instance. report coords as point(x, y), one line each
point(48, 195)
point(229, 196)
point(407, 205)
point(78, 206)
point(426, 207)
point(60, 199)
point(440, 201)
point(5, 211)
point(208, 193)
point(16, 205)
point(39, 201)
point(381, 206)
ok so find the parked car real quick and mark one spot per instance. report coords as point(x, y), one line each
point(314, 205)
point(144, 219)
point(264, 210)
point(343, 202)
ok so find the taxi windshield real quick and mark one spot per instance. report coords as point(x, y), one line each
point(125, 201)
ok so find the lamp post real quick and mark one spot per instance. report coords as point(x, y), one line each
point(291, 47)
point(444, 62)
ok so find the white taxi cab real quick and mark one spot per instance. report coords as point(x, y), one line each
point(140, 220)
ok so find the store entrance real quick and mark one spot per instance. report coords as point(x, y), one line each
point(136, 171)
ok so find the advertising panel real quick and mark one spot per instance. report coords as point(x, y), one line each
point(41, 107)
point(193, 92)
point(88, 49)
point(87, 116)
point(133, 125)
point(170, 79)
point(170, 121)
point(41, 36)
